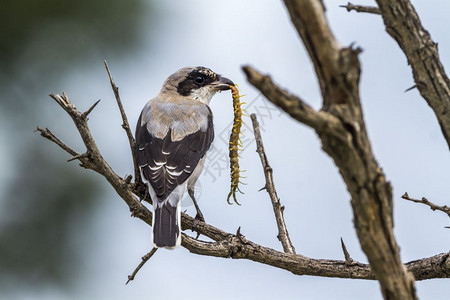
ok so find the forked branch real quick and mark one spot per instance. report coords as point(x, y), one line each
point(341, 128)
point(226, 244)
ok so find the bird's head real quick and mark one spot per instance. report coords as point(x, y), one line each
point(200, 83)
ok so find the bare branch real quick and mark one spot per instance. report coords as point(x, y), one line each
point(278, 209)
point(425, 201)
point(403, 24)
point(95, 161)
point(361, 8)
point(437, 266)
point(144, 258)
point(293, 105)
point(235, 245)
point(46, 133)
point(341, 128)
point(125, 125)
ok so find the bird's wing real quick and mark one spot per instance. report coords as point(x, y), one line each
point(166, 163)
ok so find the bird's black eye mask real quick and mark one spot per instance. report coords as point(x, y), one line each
point(196, 79)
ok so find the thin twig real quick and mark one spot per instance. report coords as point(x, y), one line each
point(283, 234)
point(46, 133)
point(145, 258)
point(425, 201)
point(362, 8)
point(125, 125)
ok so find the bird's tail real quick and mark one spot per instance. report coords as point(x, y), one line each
point(166, 224)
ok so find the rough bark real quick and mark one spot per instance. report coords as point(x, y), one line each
point(345, 139)
point(403, 24)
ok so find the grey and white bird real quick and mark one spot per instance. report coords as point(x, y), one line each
point(173, 134)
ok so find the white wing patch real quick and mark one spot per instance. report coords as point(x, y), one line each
point(155, 168)
point(174, 173)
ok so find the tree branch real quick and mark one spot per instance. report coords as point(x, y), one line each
point(144, 259)
point(425, 201)
point(293, 105)
point(226, 244)
point(361, 8)
point(437, 266)
point(125, 126)
point(94, 160)
point(345, 139)
point(341, 128)
point(278, 209)
point(403, 24)
point(46, 133)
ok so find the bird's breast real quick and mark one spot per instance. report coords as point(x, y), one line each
point(180, 117)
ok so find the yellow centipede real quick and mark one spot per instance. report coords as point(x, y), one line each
point(235, 144)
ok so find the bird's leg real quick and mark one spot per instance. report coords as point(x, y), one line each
point(199, 215)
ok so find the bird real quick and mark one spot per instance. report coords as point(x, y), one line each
point(173, 133)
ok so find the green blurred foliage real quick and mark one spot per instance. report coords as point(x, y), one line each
point(42, 40)
point(65, 29)
point(48, 200)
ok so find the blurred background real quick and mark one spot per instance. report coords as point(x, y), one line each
point(65, 234)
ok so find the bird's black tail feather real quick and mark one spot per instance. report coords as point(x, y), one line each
point(166, 225)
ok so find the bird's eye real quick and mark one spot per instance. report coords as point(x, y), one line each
point(199, 79)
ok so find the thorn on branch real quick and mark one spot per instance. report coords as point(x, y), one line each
point(263, 188)
point(86, 113)
point(238, 232)
point(144, 258)
point(361, 8)
point(348, 259)
point(79, 156)
point(357, 50)
point(411, 88)
point(241, 237)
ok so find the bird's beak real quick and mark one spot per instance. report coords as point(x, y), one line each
point(222, 84)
